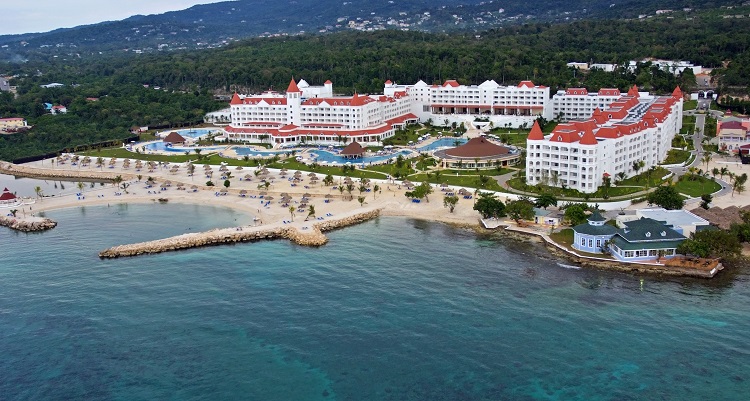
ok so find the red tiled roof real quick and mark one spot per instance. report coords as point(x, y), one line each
point(609, 92)
point(576, 91)
point(536, 133)
point(7, 195)
point(452, 83)
point(388, 82)
point(478, 147)
point(588, 138)
point(328, 82)
point(236, 99)
point(293, 88)
point(525, 84)
point(677, 93)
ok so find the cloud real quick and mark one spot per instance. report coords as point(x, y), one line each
point(46, 15)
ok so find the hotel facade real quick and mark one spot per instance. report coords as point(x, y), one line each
point(580, 154)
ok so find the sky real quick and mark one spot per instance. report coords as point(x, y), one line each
point(26, 16)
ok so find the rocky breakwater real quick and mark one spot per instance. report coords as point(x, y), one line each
point(312, 236)
point(27, 225)
point(35, 172)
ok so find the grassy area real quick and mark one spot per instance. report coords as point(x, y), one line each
point(710, 148)
point(676, 156)
point(690, 105)
point(563, 237)
point(697, 187)
point(460, 181)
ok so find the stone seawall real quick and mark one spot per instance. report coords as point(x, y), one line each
point(27, 225)
point(312, 236)
point(33, 172)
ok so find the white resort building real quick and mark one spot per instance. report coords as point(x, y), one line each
point(579, 104)
point(579, 154)
point(312, 114)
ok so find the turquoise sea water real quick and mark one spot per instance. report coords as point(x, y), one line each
point(393, 309)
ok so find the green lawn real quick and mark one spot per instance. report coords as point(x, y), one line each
point(563, 237)
point(698, 187)
point(690, 105)
point(676, 156)
point(460, 181)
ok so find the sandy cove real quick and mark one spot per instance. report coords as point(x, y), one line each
point(272, 220)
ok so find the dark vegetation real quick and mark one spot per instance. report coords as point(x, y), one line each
point(354, 62)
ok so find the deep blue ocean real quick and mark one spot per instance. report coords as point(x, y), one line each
point(392, 309)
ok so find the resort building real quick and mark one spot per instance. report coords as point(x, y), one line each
point(477, 153)
point(58, 109)
point(579, 104)
point(733, 132)
point(12, 124)
point(593, 235)
point(645, 239)
point(312, 114)
point(513, 105)
point(682, 221)
point(638, 240)
point(580, 154)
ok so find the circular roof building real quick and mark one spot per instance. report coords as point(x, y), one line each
point(478, 153)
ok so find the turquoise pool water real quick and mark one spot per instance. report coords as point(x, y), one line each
point(441, 143)
point(324, 156)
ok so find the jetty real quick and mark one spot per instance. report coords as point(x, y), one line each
point(30, 224)
point(308, 236)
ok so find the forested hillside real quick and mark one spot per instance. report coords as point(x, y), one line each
point(357, 61)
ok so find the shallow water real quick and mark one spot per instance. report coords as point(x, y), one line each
point(392, 309)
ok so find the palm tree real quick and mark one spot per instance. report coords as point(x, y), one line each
point(724, 171)
point(706, 159)
point(291, 212)
point(99, 162)
point(375, 190)
point(349, 189)
point(38, 191)
point(80, 186)
point(361, 200)
point(117, 180)
point(312, 211)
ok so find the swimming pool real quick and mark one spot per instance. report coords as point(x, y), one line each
point(161, 146)
point(441, 143)
point(191, 132)
point(324, 156)
point(252, 152)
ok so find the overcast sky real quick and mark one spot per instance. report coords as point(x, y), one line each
point(25, 16)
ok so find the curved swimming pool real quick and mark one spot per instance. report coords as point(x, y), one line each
point(324, 156)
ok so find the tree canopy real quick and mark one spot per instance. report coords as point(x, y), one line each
point(667, 197)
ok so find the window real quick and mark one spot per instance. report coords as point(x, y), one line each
point(628, 254)
point(591, 243)
point(598, 243)
point(641, 253)
point(583, 241)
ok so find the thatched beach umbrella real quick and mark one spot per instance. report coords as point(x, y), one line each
point(239, 168)
point(248, 177)
point(306, 195)
point(444, 185)
point(243, 192)
point(269, 198)
point(168, 183)
point(194, 188)
point(263, 193)
point(282, 174)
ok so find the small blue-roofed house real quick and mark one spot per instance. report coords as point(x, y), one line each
point(645, 239)
point(593, 235)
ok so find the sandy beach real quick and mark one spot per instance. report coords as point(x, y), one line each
point(390, 199)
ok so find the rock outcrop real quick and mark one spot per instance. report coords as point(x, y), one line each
point(27, 225)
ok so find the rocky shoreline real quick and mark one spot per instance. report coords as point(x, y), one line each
point(27, 225)
point(312, 236)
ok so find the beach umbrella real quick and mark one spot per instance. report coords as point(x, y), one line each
point(282, 174)
point(306, 195)
point(284, 194)
point(239, 168)
point(263, 193)
point(194, 188)
point(329, 196)
point(444, 185)
point(223, 168)
point(311, 175)
point(168, 183)
point(248, 177)
point(269, 198)
point(223, 190)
